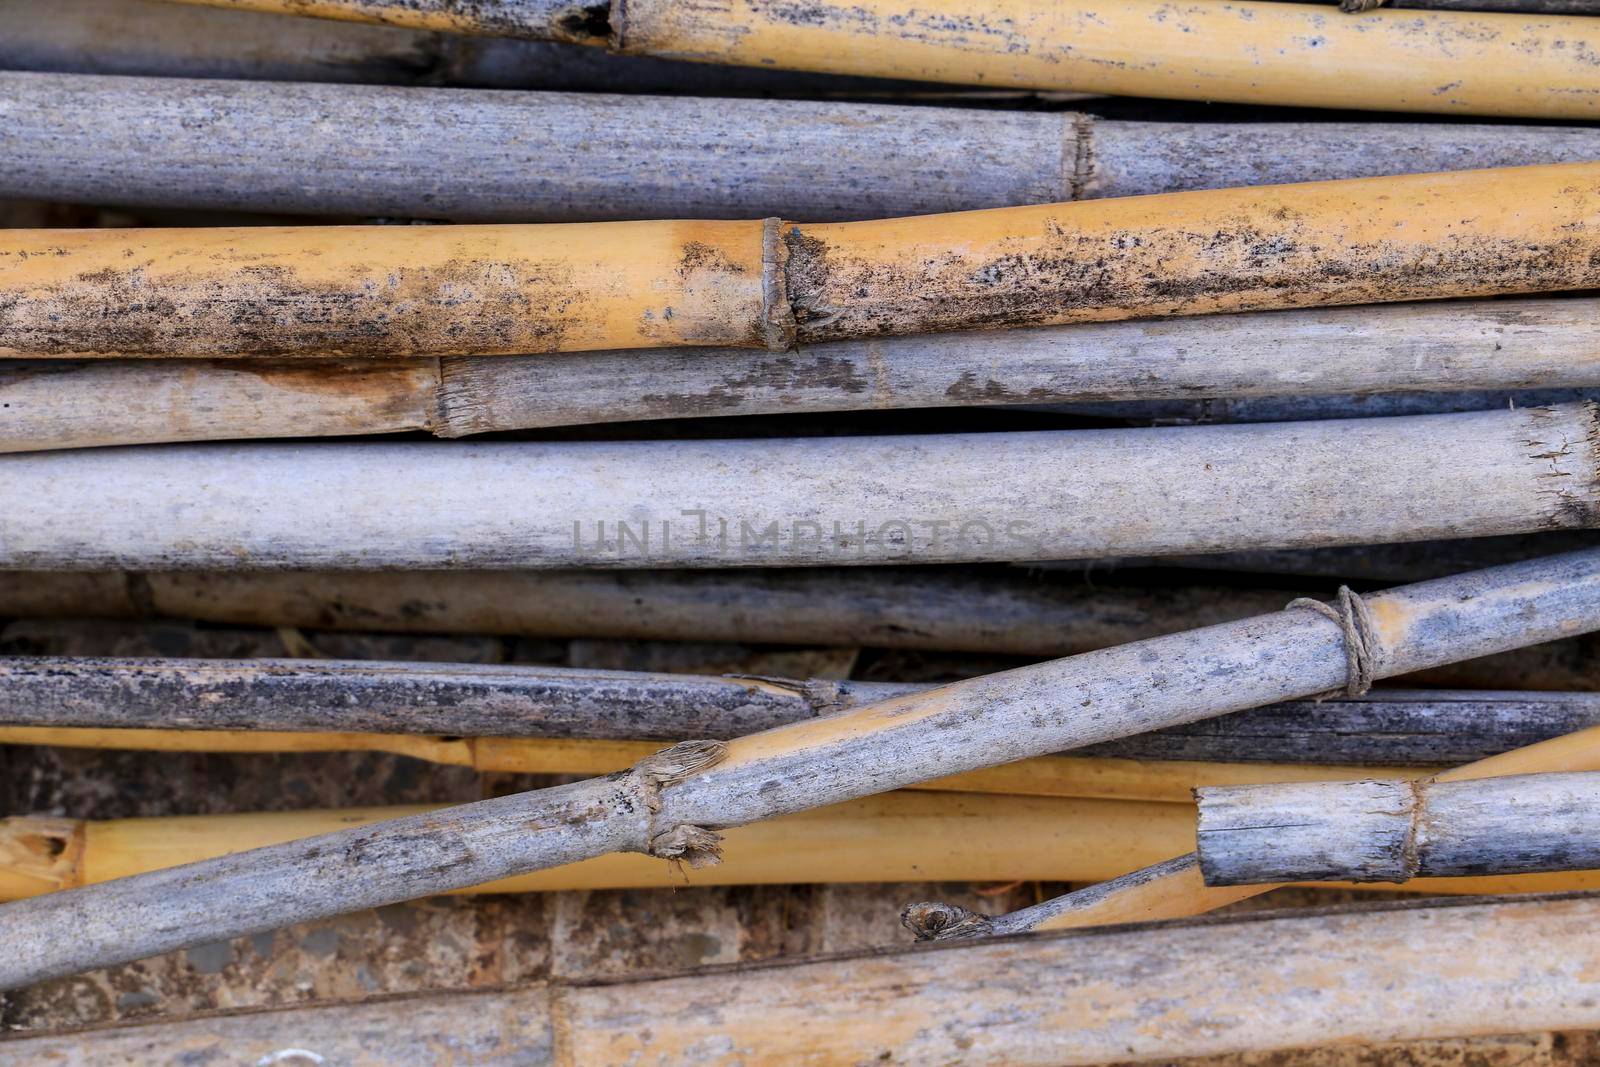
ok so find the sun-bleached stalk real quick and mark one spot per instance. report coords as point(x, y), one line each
point(810, 501)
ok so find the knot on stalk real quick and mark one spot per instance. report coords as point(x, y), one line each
point(1360, 637)
point(694, 846)
point(930, 920)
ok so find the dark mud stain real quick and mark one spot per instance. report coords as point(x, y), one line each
point(460, 306)
point(966, 389)
point(763, 384)
point(389, 391)
point(1103, 276)
point(590, 24)
point(698, 256)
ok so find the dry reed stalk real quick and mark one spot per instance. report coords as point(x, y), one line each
point(670, 804)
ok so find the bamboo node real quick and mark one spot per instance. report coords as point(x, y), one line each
point(1360, 637)
point(687, 844)
point(672, 765)
point(930, 920)
point(778, 322)
point(1080, 167)
point(822, 694)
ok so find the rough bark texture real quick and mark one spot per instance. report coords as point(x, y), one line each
point(854, 753)
point(1393, 831)
point(454, 700)
point(810, 502)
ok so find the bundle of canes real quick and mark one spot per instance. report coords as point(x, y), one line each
point(670, 804)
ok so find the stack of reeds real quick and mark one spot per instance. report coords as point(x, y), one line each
point(723, 569)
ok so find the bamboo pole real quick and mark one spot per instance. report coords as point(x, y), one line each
point(321, 149)
point(458, 699)
point(898, 836)
point(1449, 62)
point(882, 607)
point(808, 502)
point(1250, 366)
point(1092, 777)
point(1000, 612)
point(1375, 972)
point(507, 157)
point(564, 720)
point(1175, 888)
point(384, 290)
point(669, 803)
point(50, 404)
point(1392, 830)
point(496, 290)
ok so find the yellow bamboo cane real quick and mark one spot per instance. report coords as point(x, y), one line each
point(1098, 777)
point(1182, 892)
point(901, 836)
point(381, 290)
point(447, 290)
point(1241, 50)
